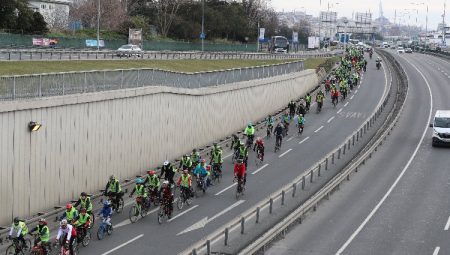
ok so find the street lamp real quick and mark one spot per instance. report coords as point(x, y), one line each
point(202, 36)
point(345, 34)
point(98, 25)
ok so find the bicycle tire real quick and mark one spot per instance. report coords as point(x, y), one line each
point(160, 216)
point(133, 214)
point(120, 206)
point(180, 203)
point(11, 250)
point(86, 239)
point(109, 230)
point(101, 233)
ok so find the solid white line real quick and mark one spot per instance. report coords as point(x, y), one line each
point(124, 244)
point(352, 97)
point(225, 189)
point(436, 250)
point(284, 153)
point(340, 110)
point(227, 156)
point(259, 169)
point(290, 139)
point(302, 141)
point(401, 174)
point(447, 226)
point(184, 212)
point(317, 130)
point(346, 104)
point(330, 119)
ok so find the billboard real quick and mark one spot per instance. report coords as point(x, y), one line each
point(44, 42)
point(313, 42)
point(262, 31)
point(93, 43)
point(135, 36)
point(330, 17)
point(363, 18)
point(295, 37)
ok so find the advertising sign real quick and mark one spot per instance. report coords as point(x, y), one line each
point(44, 42)
point(313, 42)
point(135, 36)
point(262, 31)
point(295, 37)
point(93, 43)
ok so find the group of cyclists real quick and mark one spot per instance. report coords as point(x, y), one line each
point(79, 217)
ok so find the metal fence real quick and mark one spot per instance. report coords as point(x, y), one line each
point(46, 85)
point(39, 54)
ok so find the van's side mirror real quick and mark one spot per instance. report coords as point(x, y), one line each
point(431, 124)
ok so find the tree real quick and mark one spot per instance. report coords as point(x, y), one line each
point(112, 14)
point(7, 14)
point(166, 11)
point(24, 20)
point(39, 24)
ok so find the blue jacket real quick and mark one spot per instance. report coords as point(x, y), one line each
point(106, 211)
point(200, 170)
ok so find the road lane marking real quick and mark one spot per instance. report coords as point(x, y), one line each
point(302, 141)
point(448, 224)
point(352, 97)
point(317, 130)
point(375, 209)
point(436, 250)
point(124, 244)
point(184, 212)
point(227, 156)
point(340, 110)
point(259, 169)
point(127, 221)
point(284, 153)
point(356, 92)
point(346, 104)
point(290, 139)
point(225, 189)
point(330, 119)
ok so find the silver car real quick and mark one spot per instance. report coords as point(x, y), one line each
point(129, 50)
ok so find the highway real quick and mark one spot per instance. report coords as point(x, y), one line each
point(398, 202)
point(323, 132)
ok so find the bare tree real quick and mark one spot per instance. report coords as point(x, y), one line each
point(166, 13)
point(256, 9)
point(112, 13)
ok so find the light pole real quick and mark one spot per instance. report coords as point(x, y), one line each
point(203, 25)
point(426, 19)
point(345, 35)
point(98, 25)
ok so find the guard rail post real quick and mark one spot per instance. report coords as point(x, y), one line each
point(332, 158)
point(14, 88)
point(339, 153)
point(9, 55)
point(311, 175)
point(318, 171)
point(348, 144)
point(194, 251)
point(40, 85)
point(270, 205)
point(63, 83)
point(343, 152)
point(283, 193)
point(226, 237)
point(242, 225)
point(257, 214)
point(326, 163)
point(303, 182)
point(208, 247)
point(294, 189)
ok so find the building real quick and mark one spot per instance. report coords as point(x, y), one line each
point(55, 12)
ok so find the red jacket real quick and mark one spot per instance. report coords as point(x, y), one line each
point(239, 170)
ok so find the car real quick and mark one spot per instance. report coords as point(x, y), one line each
point(129, 50)
point(400, 50)
point(441, 128)
point(408, 50)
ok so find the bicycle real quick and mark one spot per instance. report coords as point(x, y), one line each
point(319, 107)
point(199, 187)
point(138, 208)
point(259, 157)
point(278, 143)
point(64, 247)
point(104, 228)
point(17, 247)
point(269, 131)
point(184, 198)
point(83, 235)
point(116, 203)
point(154, 196)
point(249, 142)
point(235, 155)
point(164, 211)
point(239, 187)
point(39, 249)
point(300, 129)
point(216, 173)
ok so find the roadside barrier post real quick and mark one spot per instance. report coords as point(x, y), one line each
point(318, 171)
point(270, 205)
point(339, 153)
point(257, 214)
point(294, 189)
point(282, 197)
point(208, 247)
point(242, 225)
point(226, 237)
point(303, 182)
point(326, 163)
point(312, 175)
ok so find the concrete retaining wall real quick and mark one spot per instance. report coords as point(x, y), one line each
point(87, 137)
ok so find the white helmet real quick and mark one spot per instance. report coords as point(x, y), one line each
point(166, 162)
point(63, 223)
point(165, 182)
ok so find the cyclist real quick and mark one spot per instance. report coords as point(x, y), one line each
point(168, 170)
point(279, 133)
point(152, 183)
point(269, 124)
point(285, 119)
point(186, 163)
point(106, 212)
point(243, 153)
point(70, 232)
point(235, 143)
point(185, 183)
point(334, 95)
point(140, 190)
point(43, 235)
point(82, 222)
point(292, 107)
point(250, 133)
point(308, 101)
point(70, 213)
point(167, 197)
point(240, 171)
point(301, 108)
point(84, 202)
point(319, 99)
point(259, 147)
point(301, 122)
point(21, 230)
point(195, 157)
point(216, 158)
point(113, 190)
point(201, 173)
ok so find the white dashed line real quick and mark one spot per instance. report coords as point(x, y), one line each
point(225, 189)
point(184, 212)
point(436, 250)
point(124, 244)
point(290, 139)
point(352, 97)
point(330, 119)
point(356, 92)
point(259, 169)
point(302, 141)
point(359, 86)
point(284, 153)
point(227, 156)
point(317, 130)
point(346, 104)
point(340, 110)
point(447, 226)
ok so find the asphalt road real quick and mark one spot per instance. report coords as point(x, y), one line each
point(398, 202)
point(323, 132)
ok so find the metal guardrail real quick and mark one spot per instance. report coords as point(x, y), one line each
point(22, 55)
point(58, 84)
point(204, 246)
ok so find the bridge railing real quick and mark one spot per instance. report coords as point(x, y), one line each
point(58, 84)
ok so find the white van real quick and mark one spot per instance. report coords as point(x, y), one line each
point(441, 127)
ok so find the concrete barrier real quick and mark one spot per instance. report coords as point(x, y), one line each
point(84, 138)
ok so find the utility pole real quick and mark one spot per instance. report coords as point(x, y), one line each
point(257, 39)
point(443, 25)
point(203, 25)
point(98, 25)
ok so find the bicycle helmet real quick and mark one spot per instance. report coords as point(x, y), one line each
point(151, 172)
point(63, 223)
point(83, 194)
point(112, 177)
point(214, 144)
point(165, 183)
point(194, 150)
point(249, 124)
point(16, 220)
point(139, 181)
point(42, 221)
point(69, 206)
point(106, 203)
point(83, 210)
point(166, 163)
point(203, 161)
point(185, 171)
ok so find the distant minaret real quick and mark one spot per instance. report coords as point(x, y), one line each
point(381, 9)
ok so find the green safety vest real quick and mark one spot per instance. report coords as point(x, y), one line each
point(217, 156)
point(195, 157)
point(112, 186)
point(70, 215)
point(83, 219)
point(187, 162)
point(84, 203)
point(301, 120)
point(140, 191)
point(308, 98)
point(250, 131)
point(22, 226)
point(44, 233)
point(185, 180)
point(243, 151)
point(154, 181)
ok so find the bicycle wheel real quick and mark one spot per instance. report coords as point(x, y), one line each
point(180, 203)
point(144, 211)
point(109, 230)
point(92, 222)
point(160, 216)
point(11, 250)
point(101, 232)
point(86, 239)
point(120, 206)
point(28, 242)
point(134, 213)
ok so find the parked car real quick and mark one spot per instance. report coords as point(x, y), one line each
point(129, 50)
point(408, 50)
point(400, 50)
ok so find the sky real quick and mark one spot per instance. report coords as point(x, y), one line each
point(347, 7)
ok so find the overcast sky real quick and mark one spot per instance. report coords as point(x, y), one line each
point(346, 7)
